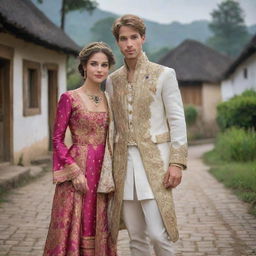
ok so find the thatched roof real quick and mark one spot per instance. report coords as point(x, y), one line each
point(196, 62)
point(248, 51)
point(24, 20)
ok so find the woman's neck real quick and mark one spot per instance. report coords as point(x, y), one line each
point(90, 87)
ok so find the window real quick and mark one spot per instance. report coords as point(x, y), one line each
point(31, 88)
point(245, 73)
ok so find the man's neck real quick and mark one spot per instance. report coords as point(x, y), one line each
point(131, 63)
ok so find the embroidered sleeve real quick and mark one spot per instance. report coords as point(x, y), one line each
point(176, 119)
point(64, 166)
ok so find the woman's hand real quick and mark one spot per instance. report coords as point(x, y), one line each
point(80, 183)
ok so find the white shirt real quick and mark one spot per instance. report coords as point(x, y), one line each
point(136, 177)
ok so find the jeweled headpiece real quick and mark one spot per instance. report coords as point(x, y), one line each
point(91, 46)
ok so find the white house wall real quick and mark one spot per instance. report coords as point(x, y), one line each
point(31, 132)
point(237, 83)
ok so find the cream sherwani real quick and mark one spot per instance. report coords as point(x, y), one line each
point(150, 134)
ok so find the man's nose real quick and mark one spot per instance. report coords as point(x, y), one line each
point(129, 43)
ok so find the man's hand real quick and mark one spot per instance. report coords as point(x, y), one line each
point(172, 177)
point(80, 183)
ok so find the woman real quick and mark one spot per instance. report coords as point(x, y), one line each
point(83, 172)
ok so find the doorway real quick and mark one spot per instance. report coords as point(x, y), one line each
point(52, 73)
point(5, 110)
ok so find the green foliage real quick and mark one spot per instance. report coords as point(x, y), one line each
point(101, 31)
point(239, 111)
point(74, 81)
point(236, 144)
point(157, 55)
point(249, 93)
point(241, 177)
point(191, 114)
point(230, 32)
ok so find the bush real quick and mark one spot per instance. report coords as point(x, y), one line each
point(190, 114)
point(240, 111)
point(249, 93)
point(74, 81)
point(236, 144)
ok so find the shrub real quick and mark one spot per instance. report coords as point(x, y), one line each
point(191, 114)
point(249, 93)
point(240, 111)
point(236, 144)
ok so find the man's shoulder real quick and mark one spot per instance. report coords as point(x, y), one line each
point(116, 73)
point(157, 66)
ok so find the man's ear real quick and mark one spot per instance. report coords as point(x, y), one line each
point(143, 38)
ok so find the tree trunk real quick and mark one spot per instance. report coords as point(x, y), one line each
point(63, 13)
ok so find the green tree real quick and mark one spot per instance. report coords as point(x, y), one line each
point(229, 31)
point(72, 5)
point(157, 55)
point(101, 31)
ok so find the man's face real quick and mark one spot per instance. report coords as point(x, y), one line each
point(130, 42)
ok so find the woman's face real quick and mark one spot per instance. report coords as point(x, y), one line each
point(97, 68)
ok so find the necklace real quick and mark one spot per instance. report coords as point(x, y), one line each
point(95, 99)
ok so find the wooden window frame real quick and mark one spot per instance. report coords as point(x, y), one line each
point(30, 111)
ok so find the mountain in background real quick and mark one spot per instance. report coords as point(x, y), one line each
point(79, 23)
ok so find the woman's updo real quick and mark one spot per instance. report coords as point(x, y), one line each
point(91, 49)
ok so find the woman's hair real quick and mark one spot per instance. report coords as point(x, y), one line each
point(129, 20)
point(90, 50)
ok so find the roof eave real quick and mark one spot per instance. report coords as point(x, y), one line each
point(22, 33)
point(243, 56)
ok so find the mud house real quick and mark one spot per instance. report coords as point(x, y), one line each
point(199, 70)
point(33, 54)
point(241, 75)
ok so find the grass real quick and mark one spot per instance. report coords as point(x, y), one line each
point(239, 176)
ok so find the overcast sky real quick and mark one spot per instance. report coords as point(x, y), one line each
point(166, 11)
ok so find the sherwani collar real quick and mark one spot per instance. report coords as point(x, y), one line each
point(141, 62)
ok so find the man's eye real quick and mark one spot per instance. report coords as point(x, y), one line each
point(122, 38)
point(134, 37)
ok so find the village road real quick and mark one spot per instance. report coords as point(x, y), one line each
point(212, 221)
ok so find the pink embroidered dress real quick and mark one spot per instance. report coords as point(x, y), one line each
point(78, 224)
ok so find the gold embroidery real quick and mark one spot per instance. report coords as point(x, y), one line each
point(146, 76)
point(179, 155)
point(68, 173)
point(161, 138)
point(92, 133)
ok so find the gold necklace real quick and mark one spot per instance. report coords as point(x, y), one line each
point(95, 99)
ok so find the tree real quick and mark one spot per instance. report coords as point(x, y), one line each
point(72, 5)
point(228, 27)
point(101, 31)
point(157, 55)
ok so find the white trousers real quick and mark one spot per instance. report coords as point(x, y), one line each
point(143, 219)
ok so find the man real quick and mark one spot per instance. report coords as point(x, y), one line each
point(150, 145)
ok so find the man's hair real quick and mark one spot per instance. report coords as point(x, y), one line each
point(129, 20)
